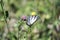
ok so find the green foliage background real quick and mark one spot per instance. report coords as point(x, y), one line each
point(17, 8)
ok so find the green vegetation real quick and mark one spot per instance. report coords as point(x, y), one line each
point(14, 15)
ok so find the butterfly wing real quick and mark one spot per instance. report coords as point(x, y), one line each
point(31, 20)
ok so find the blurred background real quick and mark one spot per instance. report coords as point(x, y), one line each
point(15, 13)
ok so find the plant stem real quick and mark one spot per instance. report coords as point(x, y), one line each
point(5, 19)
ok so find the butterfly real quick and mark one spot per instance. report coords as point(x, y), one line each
point(31, 20)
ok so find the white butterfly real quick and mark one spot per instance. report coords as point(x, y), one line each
point(31, 20)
